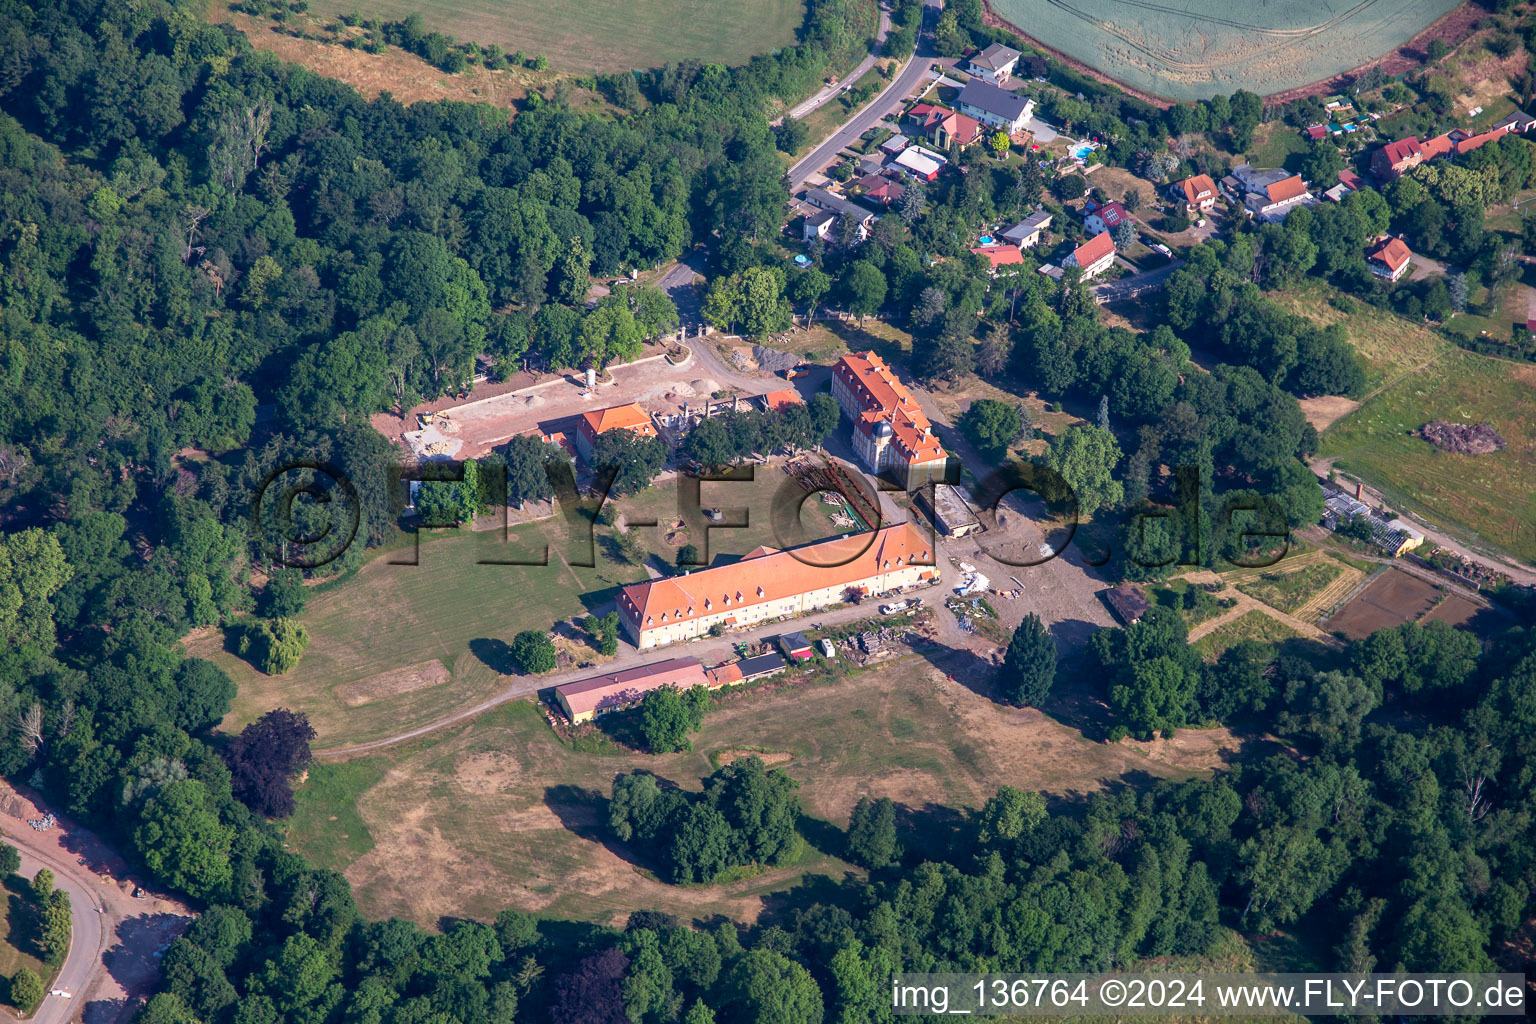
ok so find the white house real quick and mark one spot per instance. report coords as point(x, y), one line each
point(1026, 233)
point(995, 64)
point(997, 107)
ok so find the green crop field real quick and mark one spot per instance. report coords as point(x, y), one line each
point(501, 811)
point(1492, 496)
point(1206, 47)
point(581, 36)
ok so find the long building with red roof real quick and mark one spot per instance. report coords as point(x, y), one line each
point(773, 584)
point(890, 430)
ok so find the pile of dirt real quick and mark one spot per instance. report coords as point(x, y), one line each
point(772, 360)
point(1461, 438)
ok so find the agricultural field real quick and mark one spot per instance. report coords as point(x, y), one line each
point(1255, 625)
point(501, 811)
point(1490, 496)
point(1396, 597)
point(400, 644)
point(586, 37)
point(1290, 589)
point(1208, 47)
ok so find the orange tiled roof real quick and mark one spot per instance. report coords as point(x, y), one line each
point(1000, 255)
point(615, 688)
point(783, 398)
point(1437, 146)
point(619, 417)
point(886, 400)
point(1402, 150)
point(1093, 250)
point(1197, 187)
point(724, 675)
point(771, 575)
point(1394, 253)
point(1289, 188)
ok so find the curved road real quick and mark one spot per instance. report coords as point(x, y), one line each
point(847, 80)
point(88, 939)
point(863, 120)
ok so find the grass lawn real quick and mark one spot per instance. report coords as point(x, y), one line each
point(502, 812)
point(17, 926)
point(1289, 591)
point(1256, 625)
point(579, 36)
point(1171, 595)
point(401, 644)
point(1510, 304)
point(1277, 144)
point(1492, 496)
point(822, 121)
point(1387, 343)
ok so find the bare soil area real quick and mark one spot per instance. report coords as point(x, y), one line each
point(1391, 599)
point(392, 684)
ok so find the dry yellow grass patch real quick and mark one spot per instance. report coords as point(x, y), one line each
point(392, 684)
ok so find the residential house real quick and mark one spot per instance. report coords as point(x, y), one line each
point(1316, 132)
point(1105, 218)
point(1197, 192)
point(1026, 233)
point(880, 189)
point(619, 417)
point(1279, 199)
point(893, 145)
point(1252, 179)
point(890, 430)
point(943, 126)
point(919, 163)
point(1395, 159)
point(818, 225)
point(1390, 259)
point(871, 163)
point(995, 64)
point(1094, 256)
point(773, 584)
point(585, 699)
point(997, 107)
point(1519, 121)
point(999, 255)
point(827, 202)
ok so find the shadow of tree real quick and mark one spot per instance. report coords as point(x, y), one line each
point(495, 654)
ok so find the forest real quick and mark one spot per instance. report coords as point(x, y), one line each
point(212, 263)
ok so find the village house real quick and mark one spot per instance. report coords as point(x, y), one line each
point(890, 430)
point(819, 226)
point(772, 584)
point(585, 699)
point(919, 163)
point(997, 107)
point(1519, 121)
point(995, 64)
point(619, 417)
point(1094, 256)
point(778, 401)
point(1390, 259)
point(880, 189)
point(999, 255)
point(1026, 233)
point(1395, 159)
point(1273, 202)
point(1105, 218)
point(943, 126)
point(1198, 193)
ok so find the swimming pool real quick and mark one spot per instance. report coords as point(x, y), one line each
point(1081, 152)
point(985, 240)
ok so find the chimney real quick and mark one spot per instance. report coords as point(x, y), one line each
point(1358, 488)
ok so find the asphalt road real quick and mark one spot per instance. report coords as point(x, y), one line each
point(847, 80)
point(88, 937)
point(905, 81)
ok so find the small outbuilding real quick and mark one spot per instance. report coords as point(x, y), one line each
point(795, 646)
point(1129, 602)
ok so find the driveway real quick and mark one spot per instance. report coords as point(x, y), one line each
point(889, 100)
point(116, 939)
point(1133, 285)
